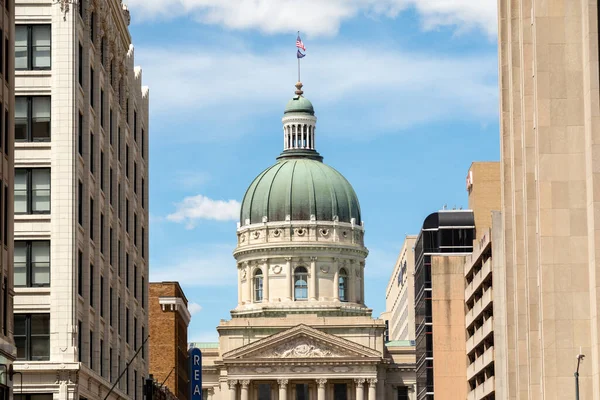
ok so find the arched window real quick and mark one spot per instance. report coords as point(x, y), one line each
point(300, 283)
point(258, 285)
point(343, 285)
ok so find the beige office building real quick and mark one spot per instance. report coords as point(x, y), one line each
point(399, 315)
point(550, 131)
point(81, 205)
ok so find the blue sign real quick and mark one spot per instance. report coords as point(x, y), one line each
point(195, 373)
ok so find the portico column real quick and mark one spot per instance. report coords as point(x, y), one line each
point(288, 277)
point(282, 388)
point(381, 390)
point(265, 262)
point(360, 389)
point(211, 393)
point(245, 384)
point(372, 389)
point(232, 389)
point(321, 389)
point(336, 281)
point(313, 278)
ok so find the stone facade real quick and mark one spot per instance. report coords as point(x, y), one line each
point(549, 91)
point(400, 295)
point(83, 145)
point(169, 318)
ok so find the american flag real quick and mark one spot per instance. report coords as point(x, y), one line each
point(299, 43)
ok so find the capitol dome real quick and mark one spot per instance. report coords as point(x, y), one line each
point(302, 188)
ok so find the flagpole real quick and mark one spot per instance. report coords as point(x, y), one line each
point(298, 62)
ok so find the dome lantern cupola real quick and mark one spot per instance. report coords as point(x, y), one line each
point(299, 123)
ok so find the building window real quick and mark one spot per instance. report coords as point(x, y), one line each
point(135, 125)
point(101, 357)
point(300, 283)
point(258, 285)
point(126, 269)
point(32, 118)
point(80, 273)
point(127, 325)
point(92, 218)
point(126, 160)
point(143, 141)
point(80, 203)
point(403, 393)
point(135, 342)
point(101, 296)
point(143, 239)
point(110, 126)
point(32, 47)
point(110, 246)
point(101, 233)
point(34, 396)
point(92, 86)
point(102, 170)
point(143, 293)
point(103, 51)
point(302, 391)
point(127, 215)
point(92, 27)
point(110, 365)
point(102, 107)
point(80, 66)
point(32, 263)
point(135, 287)
point(80, 134)
point(110, 306)
point(135, 242)
point(343, 285)
point(32, 190)
point(143, 344)
point(92, 155)
point(79, 341)
point(91, 285)
point(134, 177)
point(91, 349)
point(32, 336)
point(110, 186)
point(119, 316)
point(143, 193)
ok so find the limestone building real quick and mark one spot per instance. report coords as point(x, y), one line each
point(550, 114)
point(169, 318)
point(400, 295)
point(81, 204)
point(7, 84)
point(301, 329)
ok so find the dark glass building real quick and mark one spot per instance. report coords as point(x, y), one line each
point(444, 233)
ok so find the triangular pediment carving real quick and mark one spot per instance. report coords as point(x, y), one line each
point(301, 342)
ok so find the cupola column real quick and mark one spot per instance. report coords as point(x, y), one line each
point(336, 280)
point(351, 284)
point(249, 283)
point(289, 278)
point(265, 268)
point(313, 279)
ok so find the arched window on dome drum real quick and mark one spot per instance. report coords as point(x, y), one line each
point(300, 284)
point(258, 285)
point(343, 285)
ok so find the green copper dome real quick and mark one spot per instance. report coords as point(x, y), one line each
point(300, 186)
point(299, 104)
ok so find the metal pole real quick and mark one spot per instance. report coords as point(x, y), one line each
point(576, 385)
point(298, 62)
point(126, 367)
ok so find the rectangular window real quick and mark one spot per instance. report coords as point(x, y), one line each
point(110, 186)
point(119, 315)
point(134, 177)
point(102, 106)
point(32, 47)
point(6, 65)
point(135, 342)
point(135, 242)
point(91, 284)
point(143, 346)
point(135, 288)
point(92, 26)
point(32, 190)
point(101, 233)
point(119, 143)
point(80, 273)
point(119, 208)
point(79, 341)
point(101, 357)
point(101, 296)
point(135, 384)
point(91, 349)
point(7, 147)
point(143, 143)
point(81, 7)
point(143, 193)
point(127, 160)
point(126, 269)
point(92, 218)
point(102, 170)
point(32, 118)
point(110, 365)
point(110, 246)
point(127, 215)
point(80, 134)
point(143, 293)
point(92, 86)
point(135, 125)
point(80, 66)
point(110, 126)
point(119, 258)
point(403, 393)
point(5, 307)
point(103, 51)
point(127, 324)
point(92, 155)
point(143, 239)
point(32, 336)
point(32, 263)
point(80, 203)
point(110, 306)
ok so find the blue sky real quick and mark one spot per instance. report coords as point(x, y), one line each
point(406, 96)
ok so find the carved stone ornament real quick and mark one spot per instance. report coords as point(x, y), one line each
point(276, 232)
point(242, 238)
point(244, 273)
point(324, 269)
point(372, 382)
point(341, 369)
point(321, 383)
point(302, 370)
point(359, 381)
point(282, 383)
point(324, 232)
point(301, 347)
point(263, 370)
point(277, 269)
point(256, 234)
point(300, 231)
point(245, 383)
point(344, 233)
point(232, 383)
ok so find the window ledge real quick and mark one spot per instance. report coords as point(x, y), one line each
point(23, 73)
point(32, 290)
point(33, 145)
point(32, 217)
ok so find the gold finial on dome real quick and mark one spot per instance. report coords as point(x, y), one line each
point(299, 90)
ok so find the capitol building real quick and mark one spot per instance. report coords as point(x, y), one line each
point(301, 329)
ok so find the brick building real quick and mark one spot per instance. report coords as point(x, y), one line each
point(169, 319)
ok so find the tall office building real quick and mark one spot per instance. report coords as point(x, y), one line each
point(7, 83)
point(550, 115)
point(81, 204)
point(445, 238)
point(399, 315)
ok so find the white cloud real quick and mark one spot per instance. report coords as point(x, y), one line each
point(319, 17)
point(356, 87)
point(195, 208)
point(194, 308)
point(198, 266)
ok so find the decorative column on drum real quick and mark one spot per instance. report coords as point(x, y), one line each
point(282, 388)
point(372, 389)
point(360, 388)
point(289, 278)
point(265, 263)
point(321, 388)
point(232, 389)
point(313, 278)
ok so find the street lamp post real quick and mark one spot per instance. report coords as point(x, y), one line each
point(579, 360)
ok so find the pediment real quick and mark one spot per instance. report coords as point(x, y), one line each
point(301, 342)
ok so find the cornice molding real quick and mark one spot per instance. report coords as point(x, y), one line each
point(175, 304)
